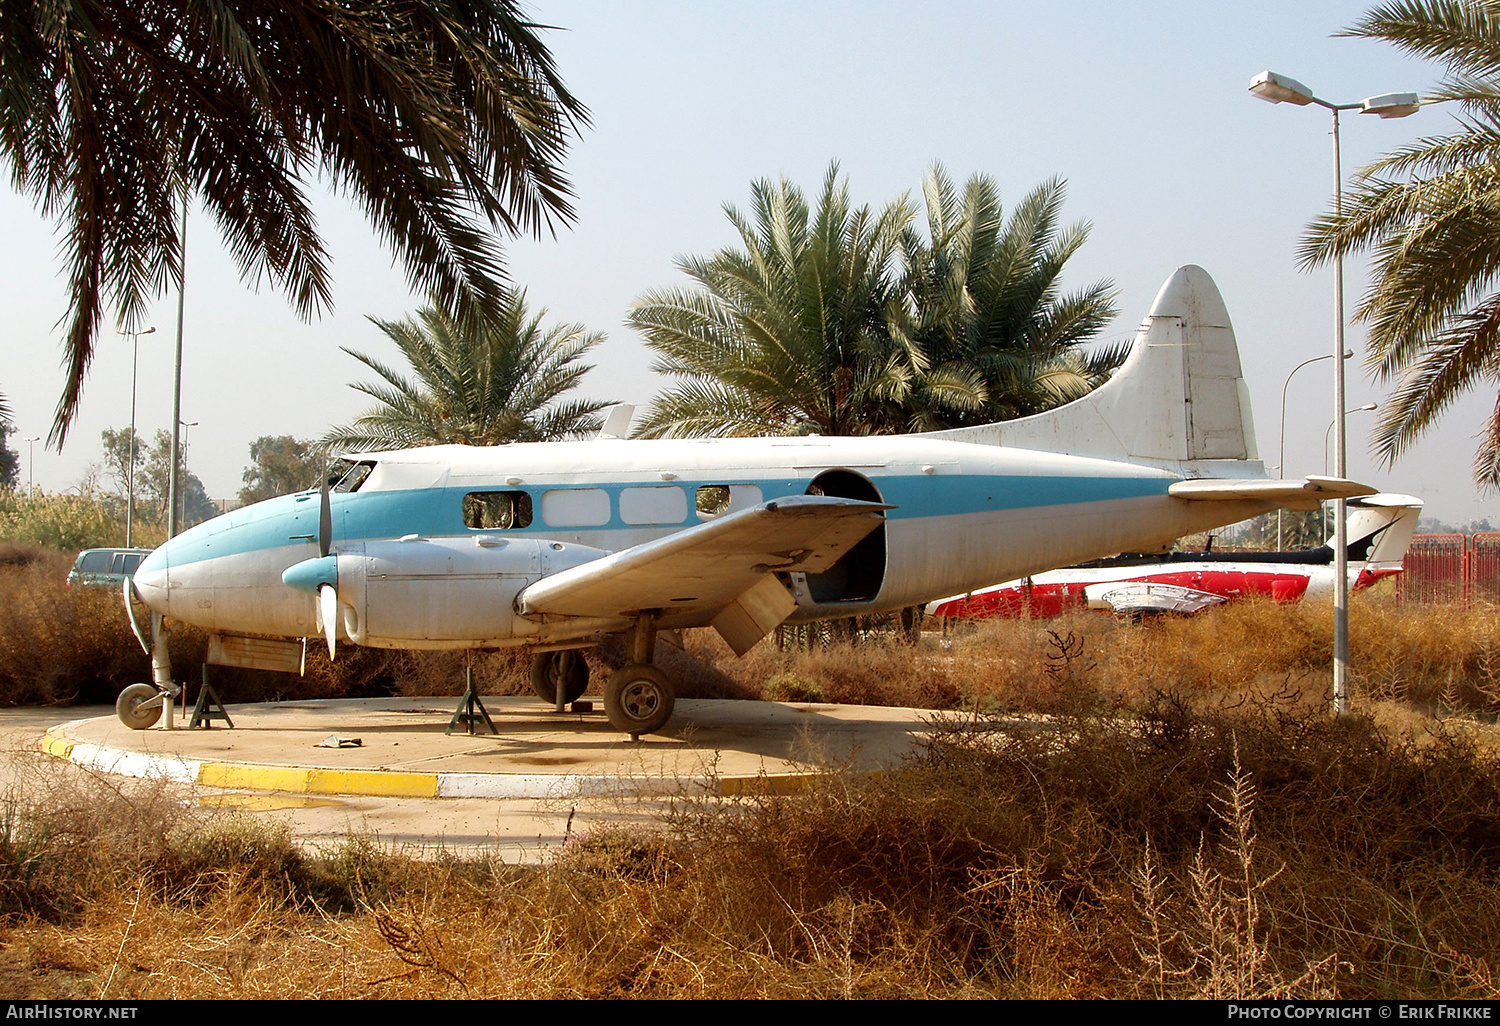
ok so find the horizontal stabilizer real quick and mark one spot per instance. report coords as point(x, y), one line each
point(1304, 494)
point(707, 567)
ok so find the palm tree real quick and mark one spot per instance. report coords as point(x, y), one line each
point(787, 335)
point(444, 119)
point(983, 304)
point(498, 383)
point(843, 321)
point(1430, 212)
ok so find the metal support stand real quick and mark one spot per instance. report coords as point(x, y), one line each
point(209, 707)
point(470, 709)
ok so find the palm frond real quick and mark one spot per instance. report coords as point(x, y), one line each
point(501, 382)
point(444, 120)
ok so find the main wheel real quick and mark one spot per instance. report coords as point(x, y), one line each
point(568, 667)
point(132, 709)
point(638, 699)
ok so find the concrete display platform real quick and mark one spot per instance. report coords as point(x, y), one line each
point(714, 747)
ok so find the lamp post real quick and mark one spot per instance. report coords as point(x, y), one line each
point(135, 348)
point(1358, 409)
point(1274, 88)
point(172, 481)
point(181, 500)
point(1281, 466)
point(31, 465)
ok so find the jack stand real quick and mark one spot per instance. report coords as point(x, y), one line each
point(465, 713)
point(209, 706)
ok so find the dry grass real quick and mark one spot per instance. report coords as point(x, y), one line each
point(1247, 853)
point(1442, 660)
point(1189, 822)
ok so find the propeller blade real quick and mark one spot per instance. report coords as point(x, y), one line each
point(135, 625)
point(325, 522)
point(328, 609)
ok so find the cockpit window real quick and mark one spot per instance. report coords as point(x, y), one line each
point(347, 475)
point(489, 511)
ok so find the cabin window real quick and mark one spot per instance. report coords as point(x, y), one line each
point(653, 504)
point(716, 500)
point(490, 511)
point(575, 507)
point(347, 476)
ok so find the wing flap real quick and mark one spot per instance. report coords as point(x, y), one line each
point(707, 567)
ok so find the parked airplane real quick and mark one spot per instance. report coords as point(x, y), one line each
point(1380, 530)
point(559, 545)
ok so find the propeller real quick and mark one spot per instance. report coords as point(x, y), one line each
point(325, 522)
point(135, 625)
point(328, 596)
point(328, 610)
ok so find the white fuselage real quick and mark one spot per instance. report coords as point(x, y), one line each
point(964, 516)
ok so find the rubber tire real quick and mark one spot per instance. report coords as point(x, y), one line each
point(638, 699)
point(128, 707)
point(545, 671)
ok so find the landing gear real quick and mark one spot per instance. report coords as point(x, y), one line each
point(139, 706)
point(638, 699)
point(565, 671)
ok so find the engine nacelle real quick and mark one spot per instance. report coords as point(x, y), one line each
point(444, 592)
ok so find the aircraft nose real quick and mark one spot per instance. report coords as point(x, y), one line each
point(150, 580)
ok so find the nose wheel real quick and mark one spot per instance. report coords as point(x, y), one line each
point(139, 706)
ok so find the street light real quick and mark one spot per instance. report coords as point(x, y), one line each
point(1274, 88)
point(135, 347)
point(181, 500)
point(172, 481)
point(1357, 409)
point(1281, 466)
point(31, 465)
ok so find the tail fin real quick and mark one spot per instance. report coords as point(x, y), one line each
point(1380, 528)
point(1178, 398)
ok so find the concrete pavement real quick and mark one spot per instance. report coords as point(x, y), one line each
point(543, 777)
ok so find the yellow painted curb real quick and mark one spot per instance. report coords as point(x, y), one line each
point(789, 783)
point(372, 783)
point(260, 778)
point(57, 745)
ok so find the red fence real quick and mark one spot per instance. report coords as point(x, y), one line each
point(1451, 568)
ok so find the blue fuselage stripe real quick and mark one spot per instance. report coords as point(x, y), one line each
point(436, 512)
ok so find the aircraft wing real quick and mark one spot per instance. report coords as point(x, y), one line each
point(1304, 494)
point(725, 564)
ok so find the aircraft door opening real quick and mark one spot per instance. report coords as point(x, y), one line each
point(860, 572)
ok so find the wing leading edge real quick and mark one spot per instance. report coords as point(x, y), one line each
point(725, 567)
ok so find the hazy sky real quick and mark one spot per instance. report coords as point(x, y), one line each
point(1143, 108)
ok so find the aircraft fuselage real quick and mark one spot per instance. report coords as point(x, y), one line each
point(424, 561)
